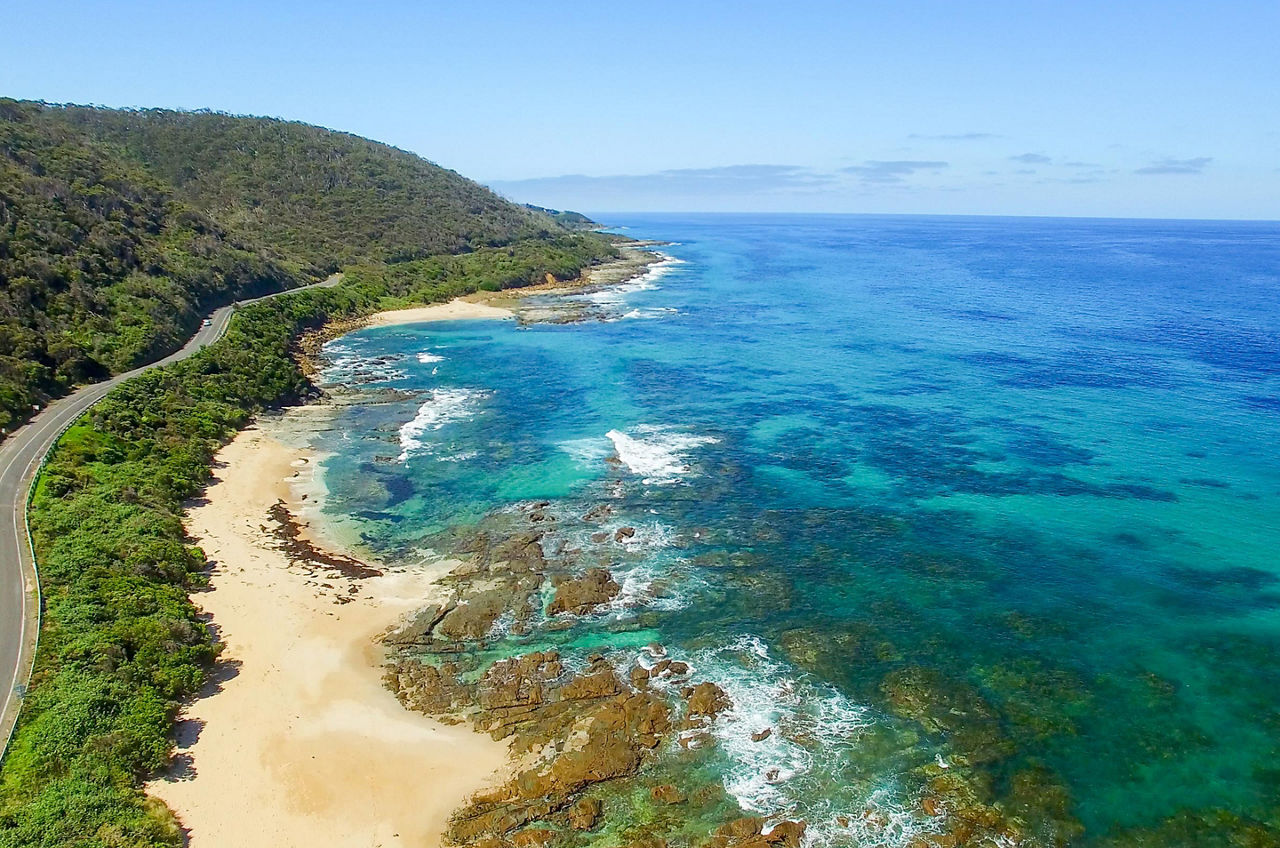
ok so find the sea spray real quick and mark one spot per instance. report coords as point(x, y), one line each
point(347, 367)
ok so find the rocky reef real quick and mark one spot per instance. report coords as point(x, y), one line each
point(578, 724)
point(614, 743)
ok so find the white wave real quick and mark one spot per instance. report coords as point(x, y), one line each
point(427, 358)
point(657, 454)
point(813, 729)
point(501, 626)
point(654, 312)
point(882, 821)
point(443, 406)
point(347, 367)
point(653, 536)
point(765, 697)
point(616, 295)
point(640, 588)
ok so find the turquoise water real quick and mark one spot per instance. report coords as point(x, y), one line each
point(1024, 471)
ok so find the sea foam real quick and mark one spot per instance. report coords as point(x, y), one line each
point(813, 729)
point(657, 454)
point(442, 406)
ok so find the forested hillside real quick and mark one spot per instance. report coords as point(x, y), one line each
point(323, 196)
point(119, 229)
point(565, 218)
point(100, 266)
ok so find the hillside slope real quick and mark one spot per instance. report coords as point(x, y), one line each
point(101, 268)
point(323, 196)
point(120, 228)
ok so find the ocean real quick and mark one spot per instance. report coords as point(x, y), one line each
point(987, 500)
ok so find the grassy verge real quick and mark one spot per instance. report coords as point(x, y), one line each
point(122, 645)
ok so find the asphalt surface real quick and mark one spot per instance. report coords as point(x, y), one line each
point(21, 456)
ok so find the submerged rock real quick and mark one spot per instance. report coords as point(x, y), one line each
point(667, 793)
point(585, 813)
point(749, 832)
point(948, 707)
point(598, 513)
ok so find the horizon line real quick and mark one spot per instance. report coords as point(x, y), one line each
point(591, 213)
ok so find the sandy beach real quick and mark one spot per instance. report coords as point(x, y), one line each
point(297, 742)
point(455, 310)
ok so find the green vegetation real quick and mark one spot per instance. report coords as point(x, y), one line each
point(571, 220)
point(325, 197)
point(518, 265)
point(101, 269)
point(120, 229)
point(122, 645)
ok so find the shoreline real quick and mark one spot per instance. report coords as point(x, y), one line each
point(296, 740)
point(636, 260)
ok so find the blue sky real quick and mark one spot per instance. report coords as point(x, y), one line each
point(1121, 109)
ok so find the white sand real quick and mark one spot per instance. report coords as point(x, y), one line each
point(301, 745)
point(452, 311)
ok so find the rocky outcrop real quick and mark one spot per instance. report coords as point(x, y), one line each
point(749, 833)
point(572, 727)
point(583, 594)
point(706, 700)
point(419, 627)
point(664, 668)
point(473, 618)
point(609, 739)
point(598, 513)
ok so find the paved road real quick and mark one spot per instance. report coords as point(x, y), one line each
point(20, 458)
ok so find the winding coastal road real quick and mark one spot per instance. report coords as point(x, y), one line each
point(21, 456)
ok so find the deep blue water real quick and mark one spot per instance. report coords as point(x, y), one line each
point(1024, 464)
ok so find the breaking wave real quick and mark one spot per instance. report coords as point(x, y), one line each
point(657, 454)
point(786, 739)
point(443, 406)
